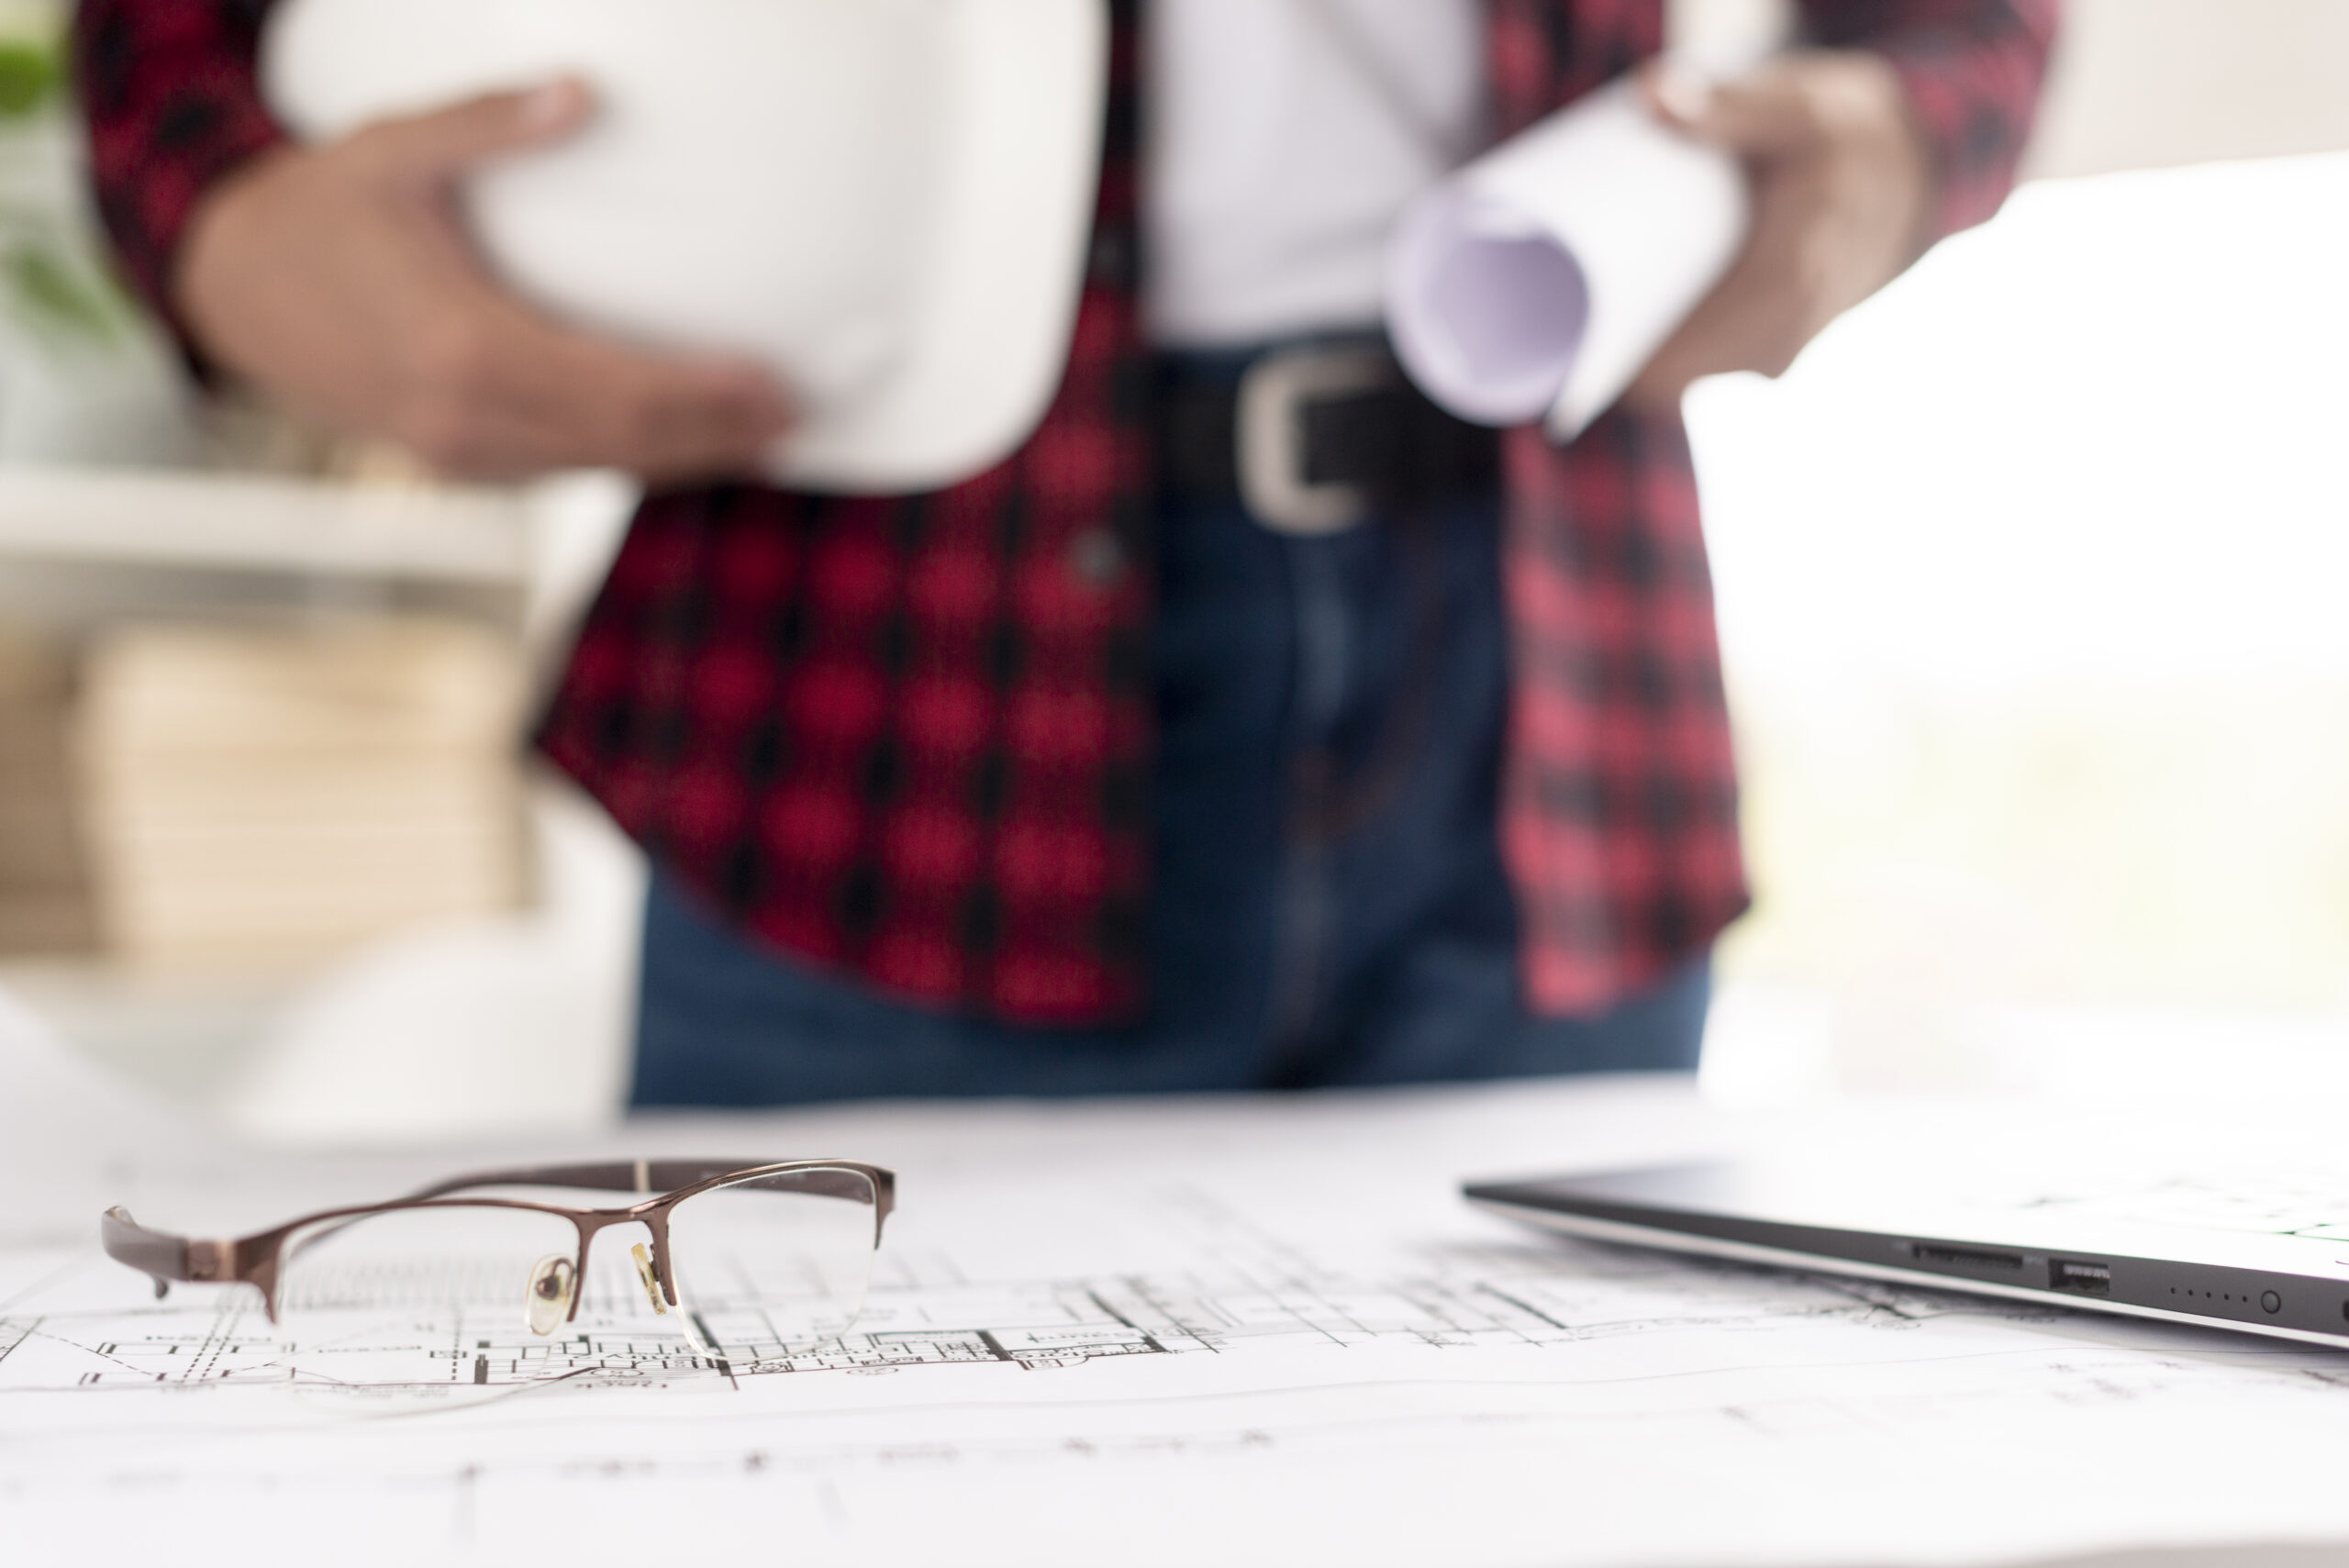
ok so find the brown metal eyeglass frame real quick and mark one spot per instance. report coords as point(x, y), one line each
point(257, 1259)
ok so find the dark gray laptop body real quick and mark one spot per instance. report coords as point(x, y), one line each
point(2127, 1254)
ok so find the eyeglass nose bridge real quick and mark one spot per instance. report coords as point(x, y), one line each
point(558, 1282)
point(658, 1271)
point(651, 1264)
point(554, 1288)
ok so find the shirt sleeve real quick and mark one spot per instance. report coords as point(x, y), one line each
point(171, 92)
point(1973, 68)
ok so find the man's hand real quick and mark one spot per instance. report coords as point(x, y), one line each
point(1841, 183)
point(340, 279)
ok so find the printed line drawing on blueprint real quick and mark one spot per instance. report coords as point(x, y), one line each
point(1243, 1334)
point(1293, 1387)
point(1240, 1292)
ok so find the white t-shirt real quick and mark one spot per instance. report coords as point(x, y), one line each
point(1284, 137)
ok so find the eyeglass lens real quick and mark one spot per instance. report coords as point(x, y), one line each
point(774, 1267)
point(457, 1301)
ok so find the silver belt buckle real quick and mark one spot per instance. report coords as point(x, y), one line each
point(1271, 435)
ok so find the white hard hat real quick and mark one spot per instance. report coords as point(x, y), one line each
point(885, 200)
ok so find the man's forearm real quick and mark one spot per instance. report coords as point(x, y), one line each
point(171, 94)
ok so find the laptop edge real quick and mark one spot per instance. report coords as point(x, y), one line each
point(2309, 1308)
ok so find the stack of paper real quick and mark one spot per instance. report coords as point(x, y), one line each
point(44, 893)
point(276, 792)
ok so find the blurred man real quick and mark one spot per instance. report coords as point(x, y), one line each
point(1083, 776)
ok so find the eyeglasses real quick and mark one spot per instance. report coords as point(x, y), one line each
point(751, 1264)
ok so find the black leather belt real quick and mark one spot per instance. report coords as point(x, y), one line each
point(1313, 440)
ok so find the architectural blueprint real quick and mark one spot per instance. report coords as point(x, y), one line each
point(1229, 1332)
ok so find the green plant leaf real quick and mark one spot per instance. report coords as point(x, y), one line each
point(29, 77)
point(55, 296)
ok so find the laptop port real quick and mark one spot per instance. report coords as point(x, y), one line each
point(1964, 1257)
point(2083, 1279)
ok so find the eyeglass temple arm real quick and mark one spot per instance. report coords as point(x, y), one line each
point(667, 1175)
point(165, 1258)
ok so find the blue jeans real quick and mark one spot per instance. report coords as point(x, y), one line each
point(1329, 905)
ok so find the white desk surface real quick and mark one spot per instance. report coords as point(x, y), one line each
point(167, 517)
point(1228, 1333)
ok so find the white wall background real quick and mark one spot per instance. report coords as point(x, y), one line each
point(2151, 83)
point(2031, 577)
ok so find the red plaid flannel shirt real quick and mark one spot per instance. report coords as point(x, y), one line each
point(909, 738)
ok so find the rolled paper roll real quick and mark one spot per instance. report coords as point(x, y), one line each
point(1536, 284)
point(886, 201)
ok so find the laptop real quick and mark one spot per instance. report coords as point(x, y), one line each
point(2264, 1258)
